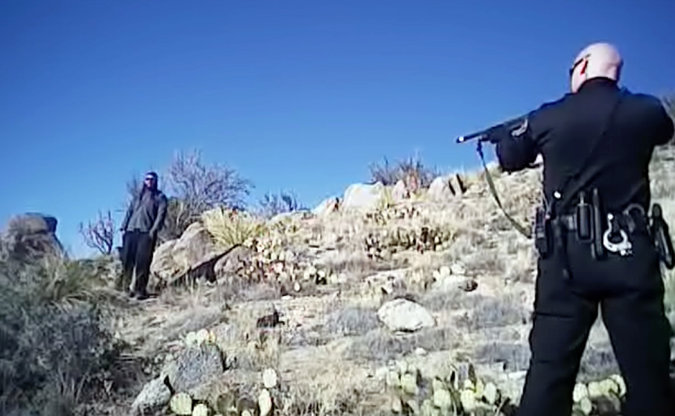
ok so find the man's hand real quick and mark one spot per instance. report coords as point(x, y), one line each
point(152, 233)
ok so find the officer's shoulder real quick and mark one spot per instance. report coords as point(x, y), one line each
point(550, 107)
point(646, 100)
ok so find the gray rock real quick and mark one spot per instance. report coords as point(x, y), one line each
point(31, 235)
point(194, 367)
point(231, 264)
point(400, 191)
point(327, 206)
point(154, 395)
point(440, 189)
point(163, 266)
point(404, 315)
point(363, 196)
point(193, 247)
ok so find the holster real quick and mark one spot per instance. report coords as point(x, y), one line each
point(661, 235)
point(543, 236)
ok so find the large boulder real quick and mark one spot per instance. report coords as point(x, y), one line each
point(194, 367)
point(193, 247)
point(405, 316)
point(177, 258)
point(327, 206)
point(152, 398)
point(400, 191)
point(31, 235)
point(363, 196)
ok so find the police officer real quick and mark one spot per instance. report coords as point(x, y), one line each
point(596, 251)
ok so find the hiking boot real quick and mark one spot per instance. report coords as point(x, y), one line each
point(142, 296)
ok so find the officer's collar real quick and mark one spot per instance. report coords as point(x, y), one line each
point(599, 82)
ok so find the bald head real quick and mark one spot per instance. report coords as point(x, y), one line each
point(595, 60)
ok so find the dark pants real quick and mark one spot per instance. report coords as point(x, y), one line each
point(629, 292)
point(137, 250)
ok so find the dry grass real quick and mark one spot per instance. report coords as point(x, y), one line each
point(452, 300)
point(514, 356)
point(495, 312)
point(352, 321)
point(381, 345)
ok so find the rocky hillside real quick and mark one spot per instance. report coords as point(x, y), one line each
point(382, 301)
point(387, 300)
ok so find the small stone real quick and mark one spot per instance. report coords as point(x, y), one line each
point(200, 410)
point(392, 379)
point(490, 393)
point(420, 351)
point(265, 402)
point(396, 405)
point(409, 383)
point(181, 404)
point(468, 399)
point(619, 381)
point(246, 413)
point(442, 399)
point(458, 268)
point(586, 406)
point(402, 367)
point(191, 338)
point(297, 287)
point(269, 378)
point(594, 390)
point(202, 336)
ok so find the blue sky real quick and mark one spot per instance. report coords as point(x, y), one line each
point(294, 95)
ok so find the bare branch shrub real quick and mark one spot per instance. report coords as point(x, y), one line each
point(99, 234)
point(274, 204)
point(196, 187)
point(412, 171)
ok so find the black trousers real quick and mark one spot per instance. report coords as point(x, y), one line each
point(137, 250)
point(629, 292)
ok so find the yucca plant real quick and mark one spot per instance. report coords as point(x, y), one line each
point(65, 281)
point(230, 227)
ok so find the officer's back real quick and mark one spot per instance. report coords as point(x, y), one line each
point(568, 131)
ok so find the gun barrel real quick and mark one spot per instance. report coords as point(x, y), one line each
point(483, 135)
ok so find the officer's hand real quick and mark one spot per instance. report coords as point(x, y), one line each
point(497, 134)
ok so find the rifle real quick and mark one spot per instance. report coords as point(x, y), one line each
point(485, 135)
point(513, 126)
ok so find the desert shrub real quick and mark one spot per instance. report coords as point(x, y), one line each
point(352, 321)
point(412, 171)
point(230, 227)
point(55, 348)
point(274, 204)
point(99, 234)
point(495, 312)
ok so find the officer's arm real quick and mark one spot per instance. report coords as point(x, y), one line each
point(664, 125)
point(516, 149)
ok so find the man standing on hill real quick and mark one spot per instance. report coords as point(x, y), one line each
point(143, 220)
point(593, 236)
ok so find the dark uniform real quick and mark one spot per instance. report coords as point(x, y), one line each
point(611, 143)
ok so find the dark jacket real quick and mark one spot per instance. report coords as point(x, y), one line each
point(146, 212)
point(564, 132)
